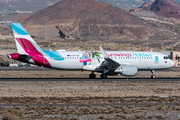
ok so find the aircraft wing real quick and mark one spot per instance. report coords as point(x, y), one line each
point(108, 63)
point(106, 66)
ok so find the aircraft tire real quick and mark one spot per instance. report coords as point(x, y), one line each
point(103, 76)
point(92, 76)
point(153, 76)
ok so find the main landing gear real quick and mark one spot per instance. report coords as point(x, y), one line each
point(153, 75)
point(103, 76)
point(92, 75)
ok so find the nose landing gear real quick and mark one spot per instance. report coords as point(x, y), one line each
point(153, 75)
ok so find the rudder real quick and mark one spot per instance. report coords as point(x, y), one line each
point(24, 41)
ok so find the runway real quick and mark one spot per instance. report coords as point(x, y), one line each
point(92, 104)
point(24, 68)
point(46, 69)
point(86, 79)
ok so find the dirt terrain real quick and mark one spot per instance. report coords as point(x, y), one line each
point(91, 100)
point(71, 100)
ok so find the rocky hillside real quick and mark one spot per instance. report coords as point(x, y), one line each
point(162, 8)
point(32, 5)
point(88, 19)
point(166, 8)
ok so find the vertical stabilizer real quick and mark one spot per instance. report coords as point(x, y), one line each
point(24, 41)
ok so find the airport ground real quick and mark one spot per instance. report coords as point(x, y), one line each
point(38, 72)
point(90, 100)
point(68, 95)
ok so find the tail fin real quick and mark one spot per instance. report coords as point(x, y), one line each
point(24, 41)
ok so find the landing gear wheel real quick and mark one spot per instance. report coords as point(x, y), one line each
point(153, 76)
point(103, 76)
point(92, 76)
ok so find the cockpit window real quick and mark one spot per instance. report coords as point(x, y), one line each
point(165, 57)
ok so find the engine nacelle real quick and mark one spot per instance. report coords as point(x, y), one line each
point(127, 70)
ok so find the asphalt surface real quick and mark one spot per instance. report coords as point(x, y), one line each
point(77, 79)
point(24, 68)
point(93, 104)
point(43, 68)
point(85, 79)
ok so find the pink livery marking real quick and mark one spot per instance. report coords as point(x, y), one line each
point(120, 55)
point(29, 48)
point(14, 56)
point(85, 58)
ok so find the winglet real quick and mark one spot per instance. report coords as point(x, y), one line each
point(103, 52)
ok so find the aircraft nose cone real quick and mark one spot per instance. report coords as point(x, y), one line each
point(172, 63)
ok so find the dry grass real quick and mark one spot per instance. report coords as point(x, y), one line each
point(12, 114)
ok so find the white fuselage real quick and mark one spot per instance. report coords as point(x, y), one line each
point(142, 60)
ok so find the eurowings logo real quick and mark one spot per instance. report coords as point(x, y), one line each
point(120, 55)
point(141, 55)
point(130, 55)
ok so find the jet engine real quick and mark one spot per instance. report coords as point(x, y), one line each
point(127, 70)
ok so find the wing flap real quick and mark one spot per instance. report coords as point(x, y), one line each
point(108, 63)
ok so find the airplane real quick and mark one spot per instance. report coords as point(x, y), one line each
point(108, 63)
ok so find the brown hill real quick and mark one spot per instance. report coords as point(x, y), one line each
point(145, 6)
point(165, 8)
point(88, 19)
point(162, 8)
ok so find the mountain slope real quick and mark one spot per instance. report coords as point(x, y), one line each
point(32, 5)
point(88, 19)
point(162, 8)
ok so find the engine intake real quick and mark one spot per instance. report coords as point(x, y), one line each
point(127, 70)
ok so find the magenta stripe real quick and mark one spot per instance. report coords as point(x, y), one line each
point(29, 48)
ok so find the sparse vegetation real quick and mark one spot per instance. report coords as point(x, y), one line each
point(52, 46)
point(12, 114)
point(161, 106)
